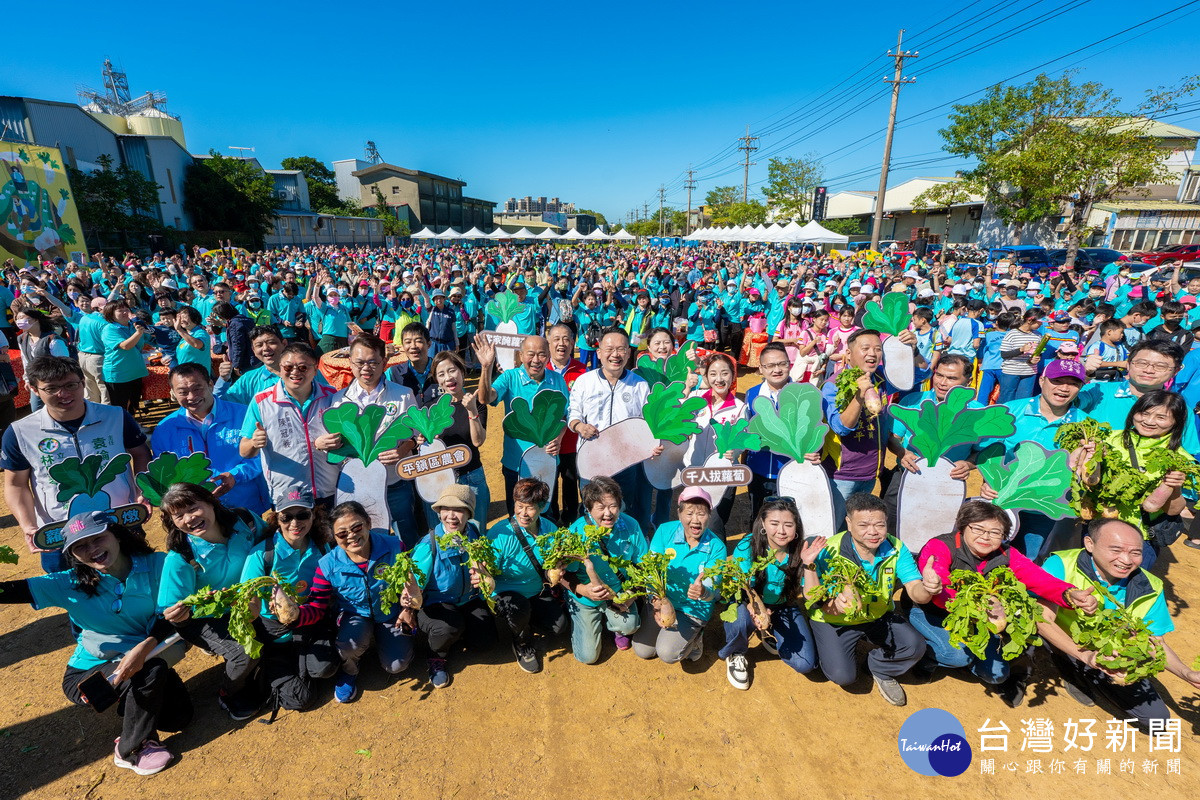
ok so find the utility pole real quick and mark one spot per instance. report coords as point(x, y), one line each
point(689, 184)
point(748, 146)
point(662, 191)
point(896, 81)
point(645, 211)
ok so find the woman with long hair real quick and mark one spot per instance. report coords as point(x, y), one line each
point(38, 337)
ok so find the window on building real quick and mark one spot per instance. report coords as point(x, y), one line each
point(395, 190)
point(1171, 237)
point(1139, 240)
point(1191, 190)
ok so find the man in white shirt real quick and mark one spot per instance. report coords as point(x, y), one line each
point(601, 398)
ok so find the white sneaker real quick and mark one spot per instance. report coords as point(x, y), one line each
point(737, 669)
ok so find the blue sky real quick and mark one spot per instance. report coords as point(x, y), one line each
point(595, 105)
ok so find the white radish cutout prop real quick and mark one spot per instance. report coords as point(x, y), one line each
point(504, 308)
point(893, 318)
point(929, 500)
point(667, 419)
point(364, 438)
point(83, 484)
point(430, 422)
point(709, 447)
point(1036, 479)
point(793, 430)
point(536, 425)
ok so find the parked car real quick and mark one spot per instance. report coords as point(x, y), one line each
point(1029, 258)
point(1169, 253)
point(1096, 258)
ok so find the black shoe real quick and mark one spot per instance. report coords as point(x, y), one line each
point(239, 708)
point(1012, 691)
point(527, 657)
point(1079, 695)
point(923, 670)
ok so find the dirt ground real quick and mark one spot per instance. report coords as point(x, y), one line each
point(621, 728)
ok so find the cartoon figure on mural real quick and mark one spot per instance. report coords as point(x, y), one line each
point(31, 223)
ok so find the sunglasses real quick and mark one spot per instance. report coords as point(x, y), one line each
point(295, 516)
point(787, 501)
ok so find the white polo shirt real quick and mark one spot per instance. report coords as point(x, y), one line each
point(597, 402)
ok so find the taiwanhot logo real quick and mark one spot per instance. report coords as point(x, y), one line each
point(933, 742)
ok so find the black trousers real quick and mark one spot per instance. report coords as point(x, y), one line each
point(566, 511)
point(154, 699)
point(212, 634)
point(898, 646)
point(288, 668)
point(520, 613)
point(127, 395)
point(443, 624)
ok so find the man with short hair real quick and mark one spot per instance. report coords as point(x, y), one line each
point(413, 373)
point(207, 424)
point(91, 350)
point(67, 426)
point(1110, 565)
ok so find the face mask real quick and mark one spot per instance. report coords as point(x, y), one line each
point(335, 301)
point(73, 295)
point(24, 323)
point(406, 303)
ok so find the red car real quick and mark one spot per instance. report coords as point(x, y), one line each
point(1186, 252)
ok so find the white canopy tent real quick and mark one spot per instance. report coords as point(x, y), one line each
point(573, 235)
point(785, 233)
point(547, 235)
point(598, 235)
point(623, 235)
point(815, 233)
point(449, 233)
point(498, 233)
point(424, 233)
point(474, 233)
point(524, 233)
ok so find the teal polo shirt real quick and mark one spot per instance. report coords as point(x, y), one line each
point(121, 366)
point(1158, 616)
point(186, 354)
point(514, 383)
point(1111, 402)
point(685, 566)
point(517, 573)
point(89, 334)
point(1031, 425)
point(774, 578)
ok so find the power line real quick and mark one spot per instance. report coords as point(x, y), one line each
point(897, 81)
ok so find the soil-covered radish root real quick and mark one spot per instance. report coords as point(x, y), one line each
point(615, 449)
point(899, 364)
point(758, 611)
point(368, 485)
point(431, 486)
point(663, 470)
point(537, 463)
point(873, 402)
point(928, 503)
point(666, 613)
point(808, 485)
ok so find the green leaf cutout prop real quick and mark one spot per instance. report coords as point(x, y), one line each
point(358, 428)
point(892, 317)
point(430, 421)
point(1036, 479)
point(661, 371)
point(939, 427)
point(169, 469)
point(795, 428)
point(670, 417)
point(505, 306)
point(735, 436)
point(87, 477)
point(539, 423)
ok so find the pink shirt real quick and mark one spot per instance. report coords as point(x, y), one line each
point(1036, 579)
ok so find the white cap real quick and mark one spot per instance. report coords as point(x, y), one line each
point(959, 288)
point(912, 273)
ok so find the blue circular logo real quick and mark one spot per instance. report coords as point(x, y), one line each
point(933, 742)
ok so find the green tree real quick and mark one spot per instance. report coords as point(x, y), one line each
point(719, 199)
point(322, 187)
point(849, 226)
point(114, 201)
point(600, 218)
point(942, 195)
point(739, 213)
point(230, 194)
point(392, 225)
point(790, 183)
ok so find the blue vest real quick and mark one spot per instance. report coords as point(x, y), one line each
point(359, 590)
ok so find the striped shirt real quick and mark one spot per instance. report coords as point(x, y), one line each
point(1018, 364)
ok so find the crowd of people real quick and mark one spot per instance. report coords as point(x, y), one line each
point(244, 339)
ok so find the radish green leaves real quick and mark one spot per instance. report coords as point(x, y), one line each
point(796, 427)
point(540, 422)
point(504, 307)
point(892, 317)
point(358, 428)
point(938, 427)
point(87, 477)
point(669, 416)
point(735, 436)
point(169, 469)
point(431, 421)
point(1036, 479)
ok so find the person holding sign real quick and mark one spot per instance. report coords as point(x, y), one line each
point(48, 448)
point(108, 590)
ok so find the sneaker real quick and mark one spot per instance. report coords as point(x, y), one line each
point(623, 642)
point(737, 669)
point(891, 690)
point(345, 687)
point(527, 657)
point(923, 670)
point(769, 646)
point(1079, 695)
point(1012, 691)
point(152, 758)
point(237, 707)
point(697, 650)
point(437, 673)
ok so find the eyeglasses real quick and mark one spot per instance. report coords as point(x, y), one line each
point(1151, 366)
point(295, 367)
point(66, 388)
point(987, 533)
point(369, 364)
point(787, 501)
point(294, 516)
point(774, 365)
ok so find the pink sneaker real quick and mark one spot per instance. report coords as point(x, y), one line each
point(152, 758)
point(623, 641)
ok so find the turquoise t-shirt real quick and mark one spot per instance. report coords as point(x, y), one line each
point(121, 366)
point(186, 354)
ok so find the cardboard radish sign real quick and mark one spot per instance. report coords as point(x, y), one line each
point(668, 370)
point(362, 477)
point(504, 308)
point(893, 318)
point(929, 500)
point(539, 423)
point(430, 423)
point(793, 430)
point(708, 451)
point(1036, 479)
point(169, 469)
point(667, 419)
point(82, 485)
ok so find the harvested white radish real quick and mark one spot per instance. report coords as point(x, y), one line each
point(535, 425)
point(795, 429)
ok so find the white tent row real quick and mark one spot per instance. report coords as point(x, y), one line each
point(792, 233)
point(546, 234)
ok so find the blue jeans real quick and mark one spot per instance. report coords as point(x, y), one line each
point(842, 490)
point(792, 634)
point(587, 624)
point(1013, 387)
point(400, 497)
point(992, 669)
point(1034, 532)
point(987, 380)
point(483, 498)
